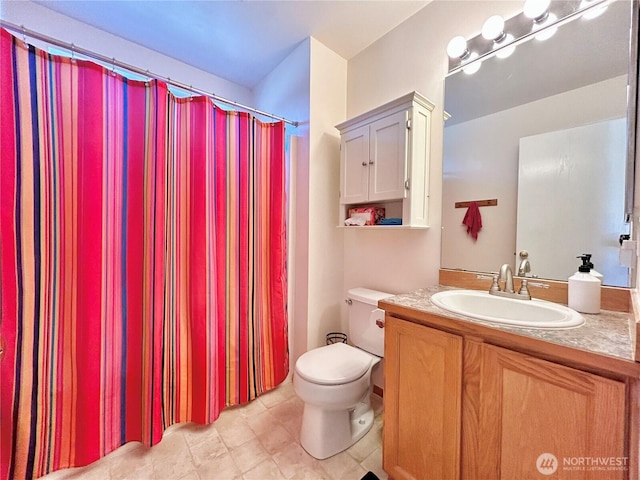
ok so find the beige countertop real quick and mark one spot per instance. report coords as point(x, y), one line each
point(607, 333)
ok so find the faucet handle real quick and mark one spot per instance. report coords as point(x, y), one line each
point(524, 289)
point(495, 287)
point(525, 264)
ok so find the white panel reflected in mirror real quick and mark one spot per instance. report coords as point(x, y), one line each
point(570, 195)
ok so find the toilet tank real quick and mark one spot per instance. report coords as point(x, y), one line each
point(364, 333)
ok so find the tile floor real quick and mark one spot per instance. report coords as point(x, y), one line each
point(257, 441)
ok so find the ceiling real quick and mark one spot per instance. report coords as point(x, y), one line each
point(241, 41)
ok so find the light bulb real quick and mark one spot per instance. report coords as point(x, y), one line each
point(593, 12)
point(506, 51)
point(536, 9)
point(457, 47)
point(493, 28)
point(472, 67)
point(547, 33)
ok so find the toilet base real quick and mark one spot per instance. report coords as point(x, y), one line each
point(325, 433)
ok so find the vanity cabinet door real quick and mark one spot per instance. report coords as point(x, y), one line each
point(423, 381)
point(529, 407)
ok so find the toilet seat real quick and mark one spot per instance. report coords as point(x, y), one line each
point(335, 364)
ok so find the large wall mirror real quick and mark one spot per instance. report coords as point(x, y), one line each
point(545, 132)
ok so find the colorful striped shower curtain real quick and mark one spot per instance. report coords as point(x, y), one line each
point(142, 258)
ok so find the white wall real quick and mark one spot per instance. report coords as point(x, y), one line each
point(413, 55)
point(326, 241)
point(485, 165)
point(410, 57)
point(43, 20)
point(309, 86)
point(286, 91)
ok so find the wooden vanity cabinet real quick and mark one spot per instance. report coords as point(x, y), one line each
point(457, 407)
point(422, 401)
point(526, 407)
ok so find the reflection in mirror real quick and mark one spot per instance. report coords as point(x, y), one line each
point(525, 119)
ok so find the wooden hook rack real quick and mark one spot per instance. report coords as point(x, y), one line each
point(481, 203)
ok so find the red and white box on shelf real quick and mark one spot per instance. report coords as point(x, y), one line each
point(372, 215)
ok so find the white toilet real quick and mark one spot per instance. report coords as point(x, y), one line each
point(334, 381)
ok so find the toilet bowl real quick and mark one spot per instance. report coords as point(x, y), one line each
point(334, 381)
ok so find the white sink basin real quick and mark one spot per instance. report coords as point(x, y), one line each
point(523, 313)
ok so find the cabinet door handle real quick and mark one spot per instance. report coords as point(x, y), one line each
point(364, 164)
point(370, 162)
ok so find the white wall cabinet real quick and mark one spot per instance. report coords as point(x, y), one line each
point(384, 160)
point(374, 158)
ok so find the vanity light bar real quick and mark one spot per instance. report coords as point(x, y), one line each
point(516, 30)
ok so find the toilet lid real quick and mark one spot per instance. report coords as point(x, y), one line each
point(334, 364)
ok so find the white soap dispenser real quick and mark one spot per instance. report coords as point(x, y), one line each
point(593, 272)
point(584, 289)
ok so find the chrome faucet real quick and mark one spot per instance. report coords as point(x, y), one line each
point(506, 275)
point(525, 264)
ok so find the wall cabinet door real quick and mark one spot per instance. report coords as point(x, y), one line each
point(388, 157)
point(354, 174)
point(423, 378)
point(530, 407)
point(374, 159)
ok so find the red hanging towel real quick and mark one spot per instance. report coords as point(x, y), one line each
point(473, 220)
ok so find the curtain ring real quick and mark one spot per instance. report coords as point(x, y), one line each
point(113, 66)
point(73, 53)
point(191, 93)
point(24, 36)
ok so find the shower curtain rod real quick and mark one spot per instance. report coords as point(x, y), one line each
point(116, 63)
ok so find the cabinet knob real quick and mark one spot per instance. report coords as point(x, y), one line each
point(364, 164)
point(370, 162)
